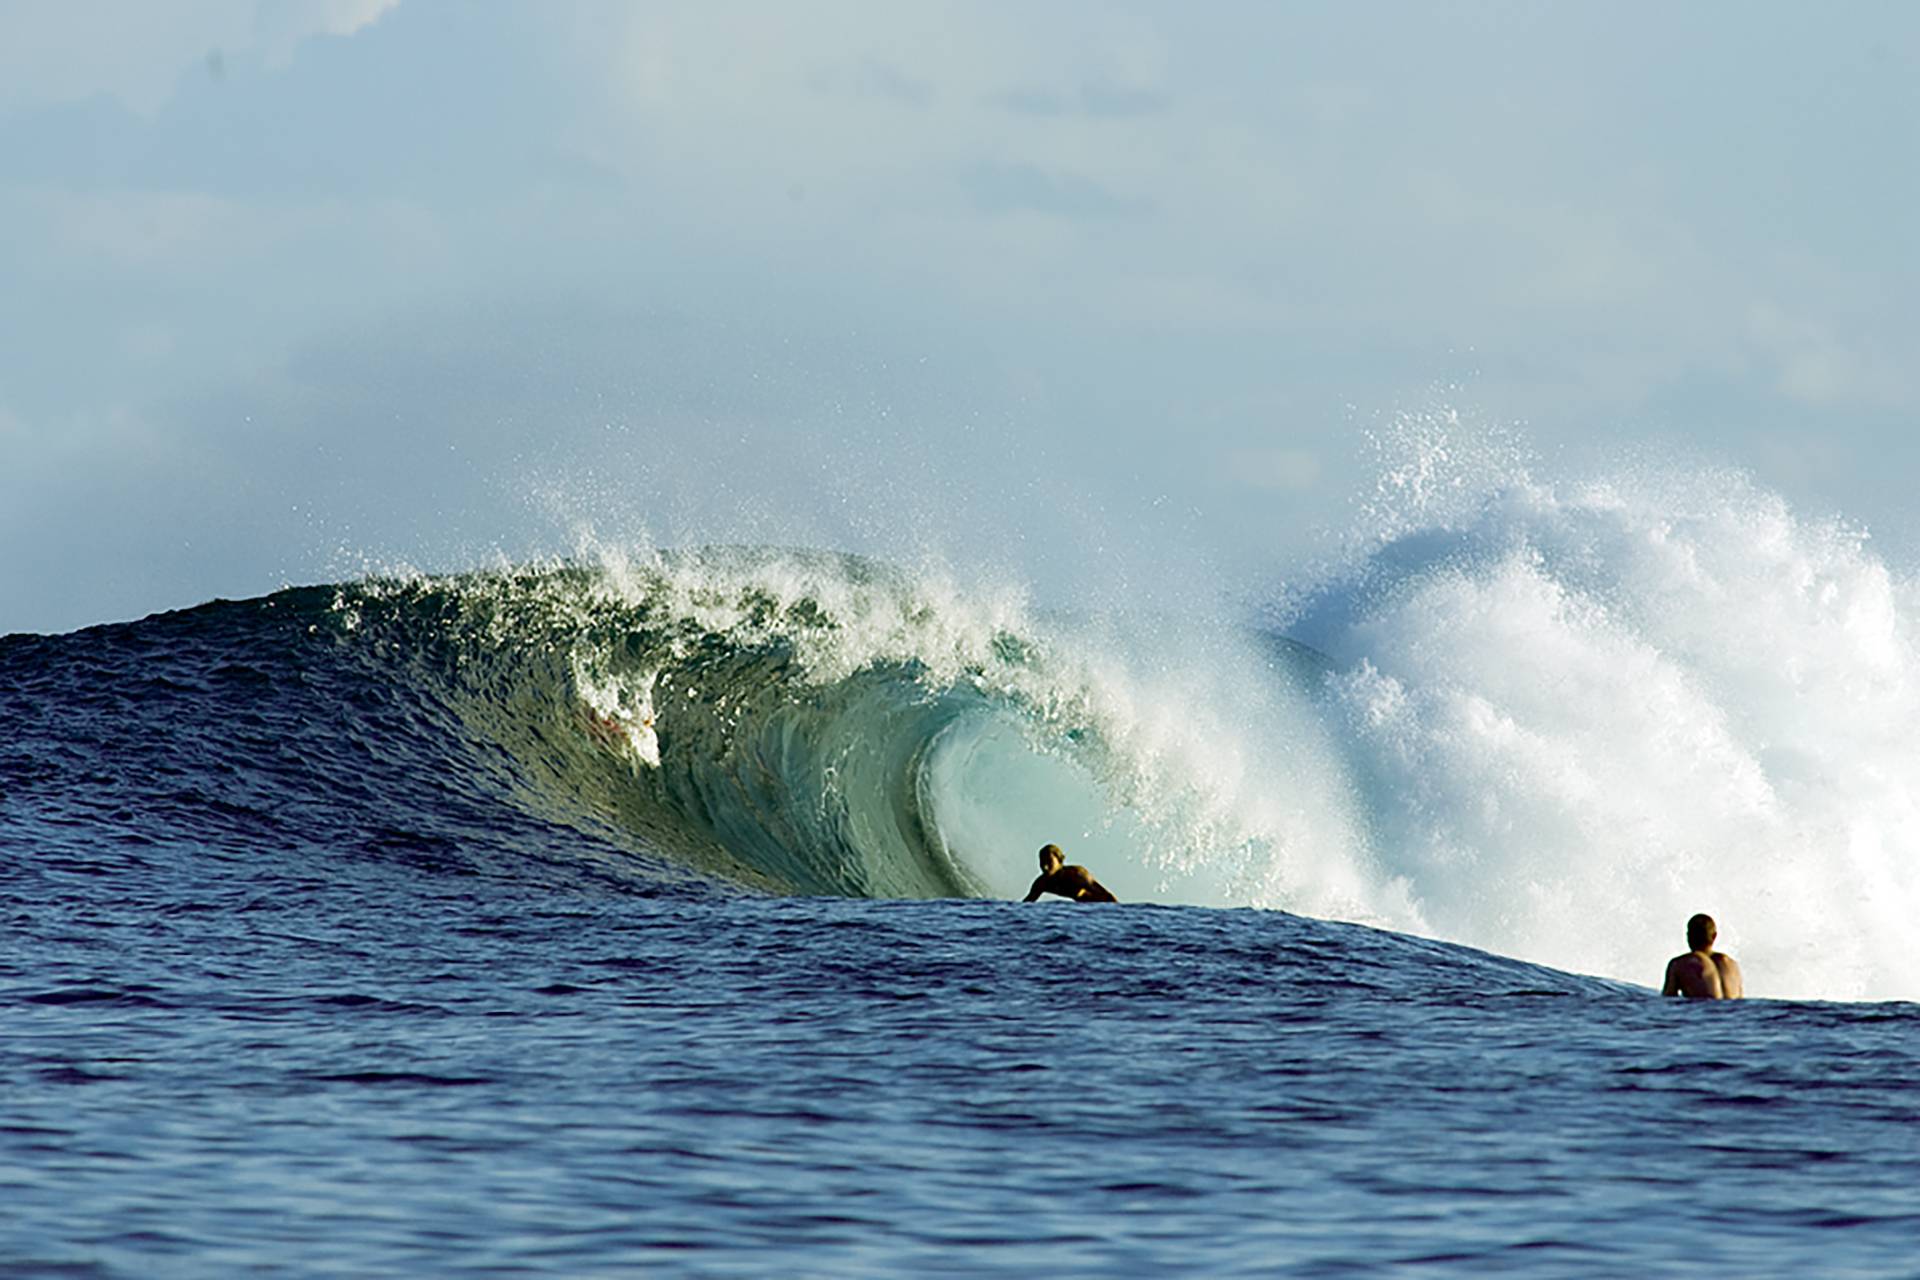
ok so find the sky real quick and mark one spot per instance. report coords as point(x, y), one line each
point(293, 290)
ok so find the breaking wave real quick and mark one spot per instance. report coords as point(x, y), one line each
point(1549, 717)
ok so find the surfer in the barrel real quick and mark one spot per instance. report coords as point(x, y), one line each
point(1057, 877)
point(1703, 973)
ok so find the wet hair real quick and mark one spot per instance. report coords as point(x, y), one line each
point(1701, 931)
point(1051, 851)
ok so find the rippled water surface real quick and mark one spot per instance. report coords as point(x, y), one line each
point(397, 1073)
point(333, 950)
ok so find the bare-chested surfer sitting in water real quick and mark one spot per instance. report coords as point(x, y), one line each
point(1703, 973)
point(1067, 881)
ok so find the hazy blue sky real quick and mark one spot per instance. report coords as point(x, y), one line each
point(292, 286)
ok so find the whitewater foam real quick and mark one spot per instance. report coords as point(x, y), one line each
point(1585, 710)
point(1549, 716)
point(804, 721)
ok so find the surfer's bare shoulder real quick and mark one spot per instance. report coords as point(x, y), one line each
point(1732, 987)
point(1057, 876)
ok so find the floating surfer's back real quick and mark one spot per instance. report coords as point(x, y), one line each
point(1703, 973)
point(1067, 881)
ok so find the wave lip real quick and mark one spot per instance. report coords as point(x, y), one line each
point(805, 722)
point(766, 717)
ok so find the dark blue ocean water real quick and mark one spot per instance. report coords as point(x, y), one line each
point(307, 970)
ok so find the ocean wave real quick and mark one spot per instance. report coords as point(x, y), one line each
point(805, 722)
point(1548, 717)
point(1584, 708)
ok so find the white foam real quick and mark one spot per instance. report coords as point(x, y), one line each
point(1171, 759)
point(1567, 714)
point(1587, 710)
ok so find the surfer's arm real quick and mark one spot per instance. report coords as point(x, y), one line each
point(1039, 887)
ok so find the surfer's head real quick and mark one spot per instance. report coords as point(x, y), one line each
point(1701, 932)
point(1051, 857)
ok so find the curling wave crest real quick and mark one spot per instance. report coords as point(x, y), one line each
point(805, 722)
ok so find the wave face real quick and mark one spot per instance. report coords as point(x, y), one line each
point(783, 721)
point(1549, 719)
point(803, 722)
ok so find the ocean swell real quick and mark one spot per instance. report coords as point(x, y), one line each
point(806, 722)
point(1546, 717)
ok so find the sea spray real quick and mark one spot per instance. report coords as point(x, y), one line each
point(801, 721)
point(1547, 715)
point(1584, 709)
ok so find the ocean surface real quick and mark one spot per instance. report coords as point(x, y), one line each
point(655, 912)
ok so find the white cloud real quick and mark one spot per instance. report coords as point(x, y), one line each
point(280, 25)
point(52, 53)
point(187, 235)
point(137, 52)
point(122, 230)
point(986, 150)
point(1818, 367)
point(851, 98)
point(1163, 222)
